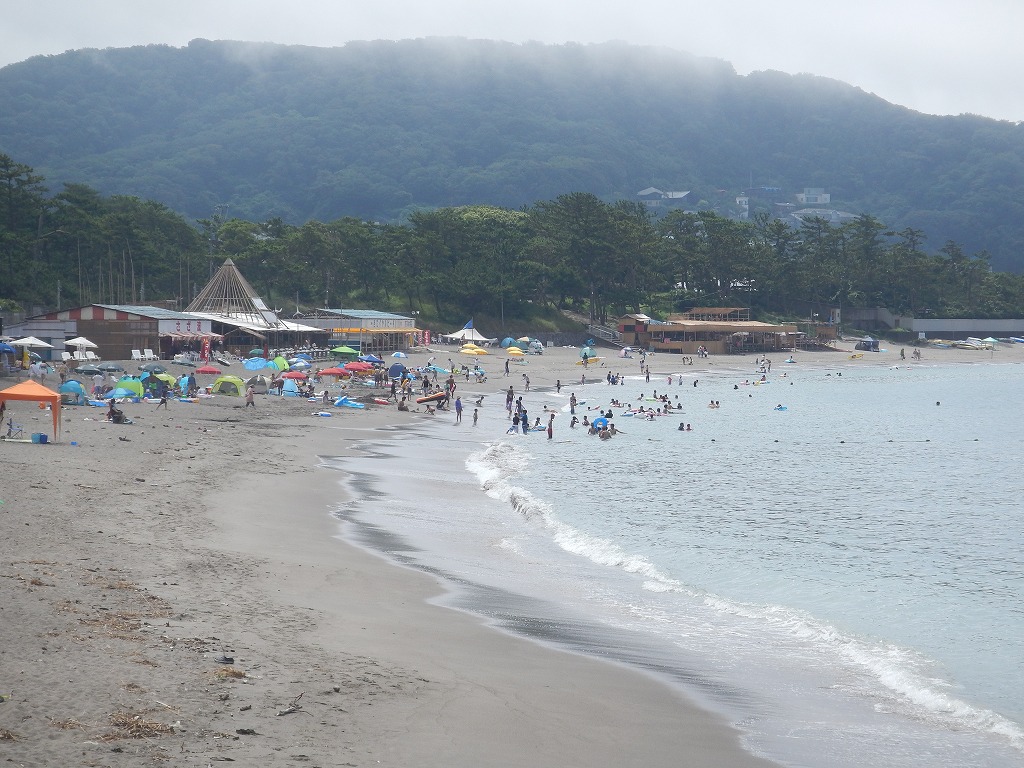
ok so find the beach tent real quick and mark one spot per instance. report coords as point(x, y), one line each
point(73, 393)
point(31, 390)
point(468, 333)
point(507, 341)
point(255, 364)
point(229, 385)
point(371, 358)
point(290, 388)
point(132, 385)
point(259, 384)
point(281, 363)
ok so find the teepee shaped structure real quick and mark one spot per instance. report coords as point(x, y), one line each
point(229, 294)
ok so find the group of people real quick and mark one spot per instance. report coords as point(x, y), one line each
point(520, 417)
point(605, 429)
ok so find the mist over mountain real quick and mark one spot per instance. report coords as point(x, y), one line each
point(376, 130)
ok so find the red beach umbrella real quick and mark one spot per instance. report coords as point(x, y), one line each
point(358, 366)
point(293, 375)
point(334, 372)
point(209, 369)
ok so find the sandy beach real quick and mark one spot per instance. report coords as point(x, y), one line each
point(175, 592)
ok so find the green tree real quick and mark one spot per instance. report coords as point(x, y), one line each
point(580, 229)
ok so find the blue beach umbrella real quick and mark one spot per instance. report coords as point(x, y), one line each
point(118, 392)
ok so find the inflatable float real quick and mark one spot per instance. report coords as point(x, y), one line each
point(436, 397)
point(345, 402)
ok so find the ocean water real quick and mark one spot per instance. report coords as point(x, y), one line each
point(843, 579)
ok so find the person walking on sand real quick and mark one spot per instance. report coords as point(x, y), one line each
point(476, 415)
point(458, 410)
point(506, 368)
point(250, 397)
point(551, 427)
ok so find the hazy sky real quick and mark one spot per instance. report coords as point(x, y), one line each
point(936, 56)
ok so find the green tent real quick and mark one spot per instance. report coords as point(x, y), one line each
point(281, 363)
point(229, 385)
point(132, 385)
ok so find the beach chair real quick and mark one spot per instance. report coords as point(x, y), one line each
point(80, 356)
point(136, 354)
point(65, 356)
point(91, 356)
point(14, 430)
point(148, 354)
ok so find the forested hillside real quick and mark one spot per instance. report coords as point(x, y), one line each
point(575, 251)
point(378, 130)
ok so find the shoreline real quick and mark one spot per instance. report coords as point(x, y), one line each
point(134, 564)
point(200, 536)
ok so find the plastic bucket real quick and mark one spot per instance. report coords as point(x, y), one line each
point(36, 437)
point(43, 438)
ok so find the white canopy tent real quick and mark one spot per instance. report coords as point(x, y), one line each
point(468, 334)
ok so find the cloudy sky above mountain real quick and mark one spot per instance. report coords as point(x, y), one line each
point(939, 57)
